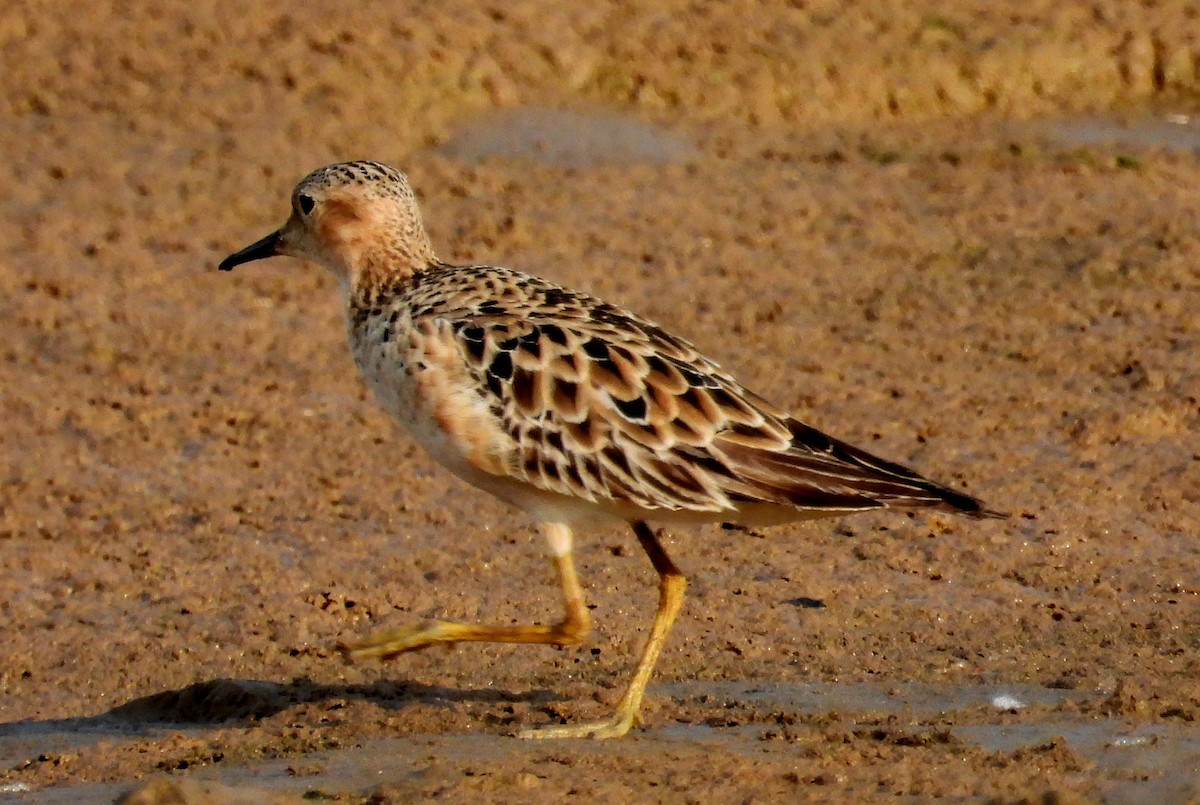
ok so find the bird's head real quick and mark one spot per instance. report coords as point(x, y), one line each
point(354, 218)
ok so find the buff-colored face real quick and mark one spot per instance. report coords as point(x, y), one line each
point(348, 217)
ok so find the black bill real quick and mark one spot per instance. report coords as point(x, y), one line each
point(260, 249)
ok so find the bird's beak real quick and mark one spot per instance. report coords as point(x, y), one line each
point(259, 250)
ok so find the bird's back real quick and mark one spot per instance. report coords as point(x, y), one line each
point(520, 384)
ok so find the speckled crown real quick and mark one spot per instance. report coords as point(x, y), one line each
point(359, 172)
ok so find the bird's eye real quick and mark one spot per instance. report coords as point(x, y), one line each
point(305, 203)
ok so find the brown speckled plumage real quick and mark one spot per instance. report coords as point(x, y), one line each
point(564, 405)
point(597, 403)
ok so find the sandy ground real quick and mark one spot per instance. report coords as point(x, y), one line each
point(967, 242)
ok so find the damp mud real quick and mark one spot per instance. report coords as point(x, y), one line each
point(966, 242)
point(776, 730)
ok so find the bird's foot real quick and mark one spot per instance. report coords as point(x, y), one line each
point(613, 727)
point(388, 644)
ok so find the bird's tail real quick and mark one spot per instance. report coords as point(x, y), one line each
point(817, 472)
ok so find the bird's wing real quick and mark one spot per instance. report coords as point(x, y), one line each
point(603, 405)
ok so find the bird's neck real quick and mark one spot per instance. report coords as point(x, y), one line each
point(377, 278)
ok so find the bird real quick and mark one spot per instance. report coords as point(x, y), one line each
point(570, 408)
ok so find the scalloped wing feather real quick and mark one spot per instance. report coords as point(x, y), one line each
point(605, 406)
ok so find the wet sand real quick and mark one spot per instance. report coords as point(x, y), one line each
point(967, 244)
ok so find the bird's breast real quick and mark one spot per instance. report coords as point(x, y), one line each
point(416, 370)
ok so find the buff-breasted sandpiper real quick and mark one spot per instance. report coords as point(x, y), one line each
point(568, 407)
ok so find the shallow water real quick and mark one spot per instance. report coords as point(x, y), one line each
point(567, 138)
point(1137, 762)
point(1172, 132)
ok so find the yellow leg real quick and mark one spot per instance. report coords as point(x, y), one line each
point(570, 631)
point(671, 586)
